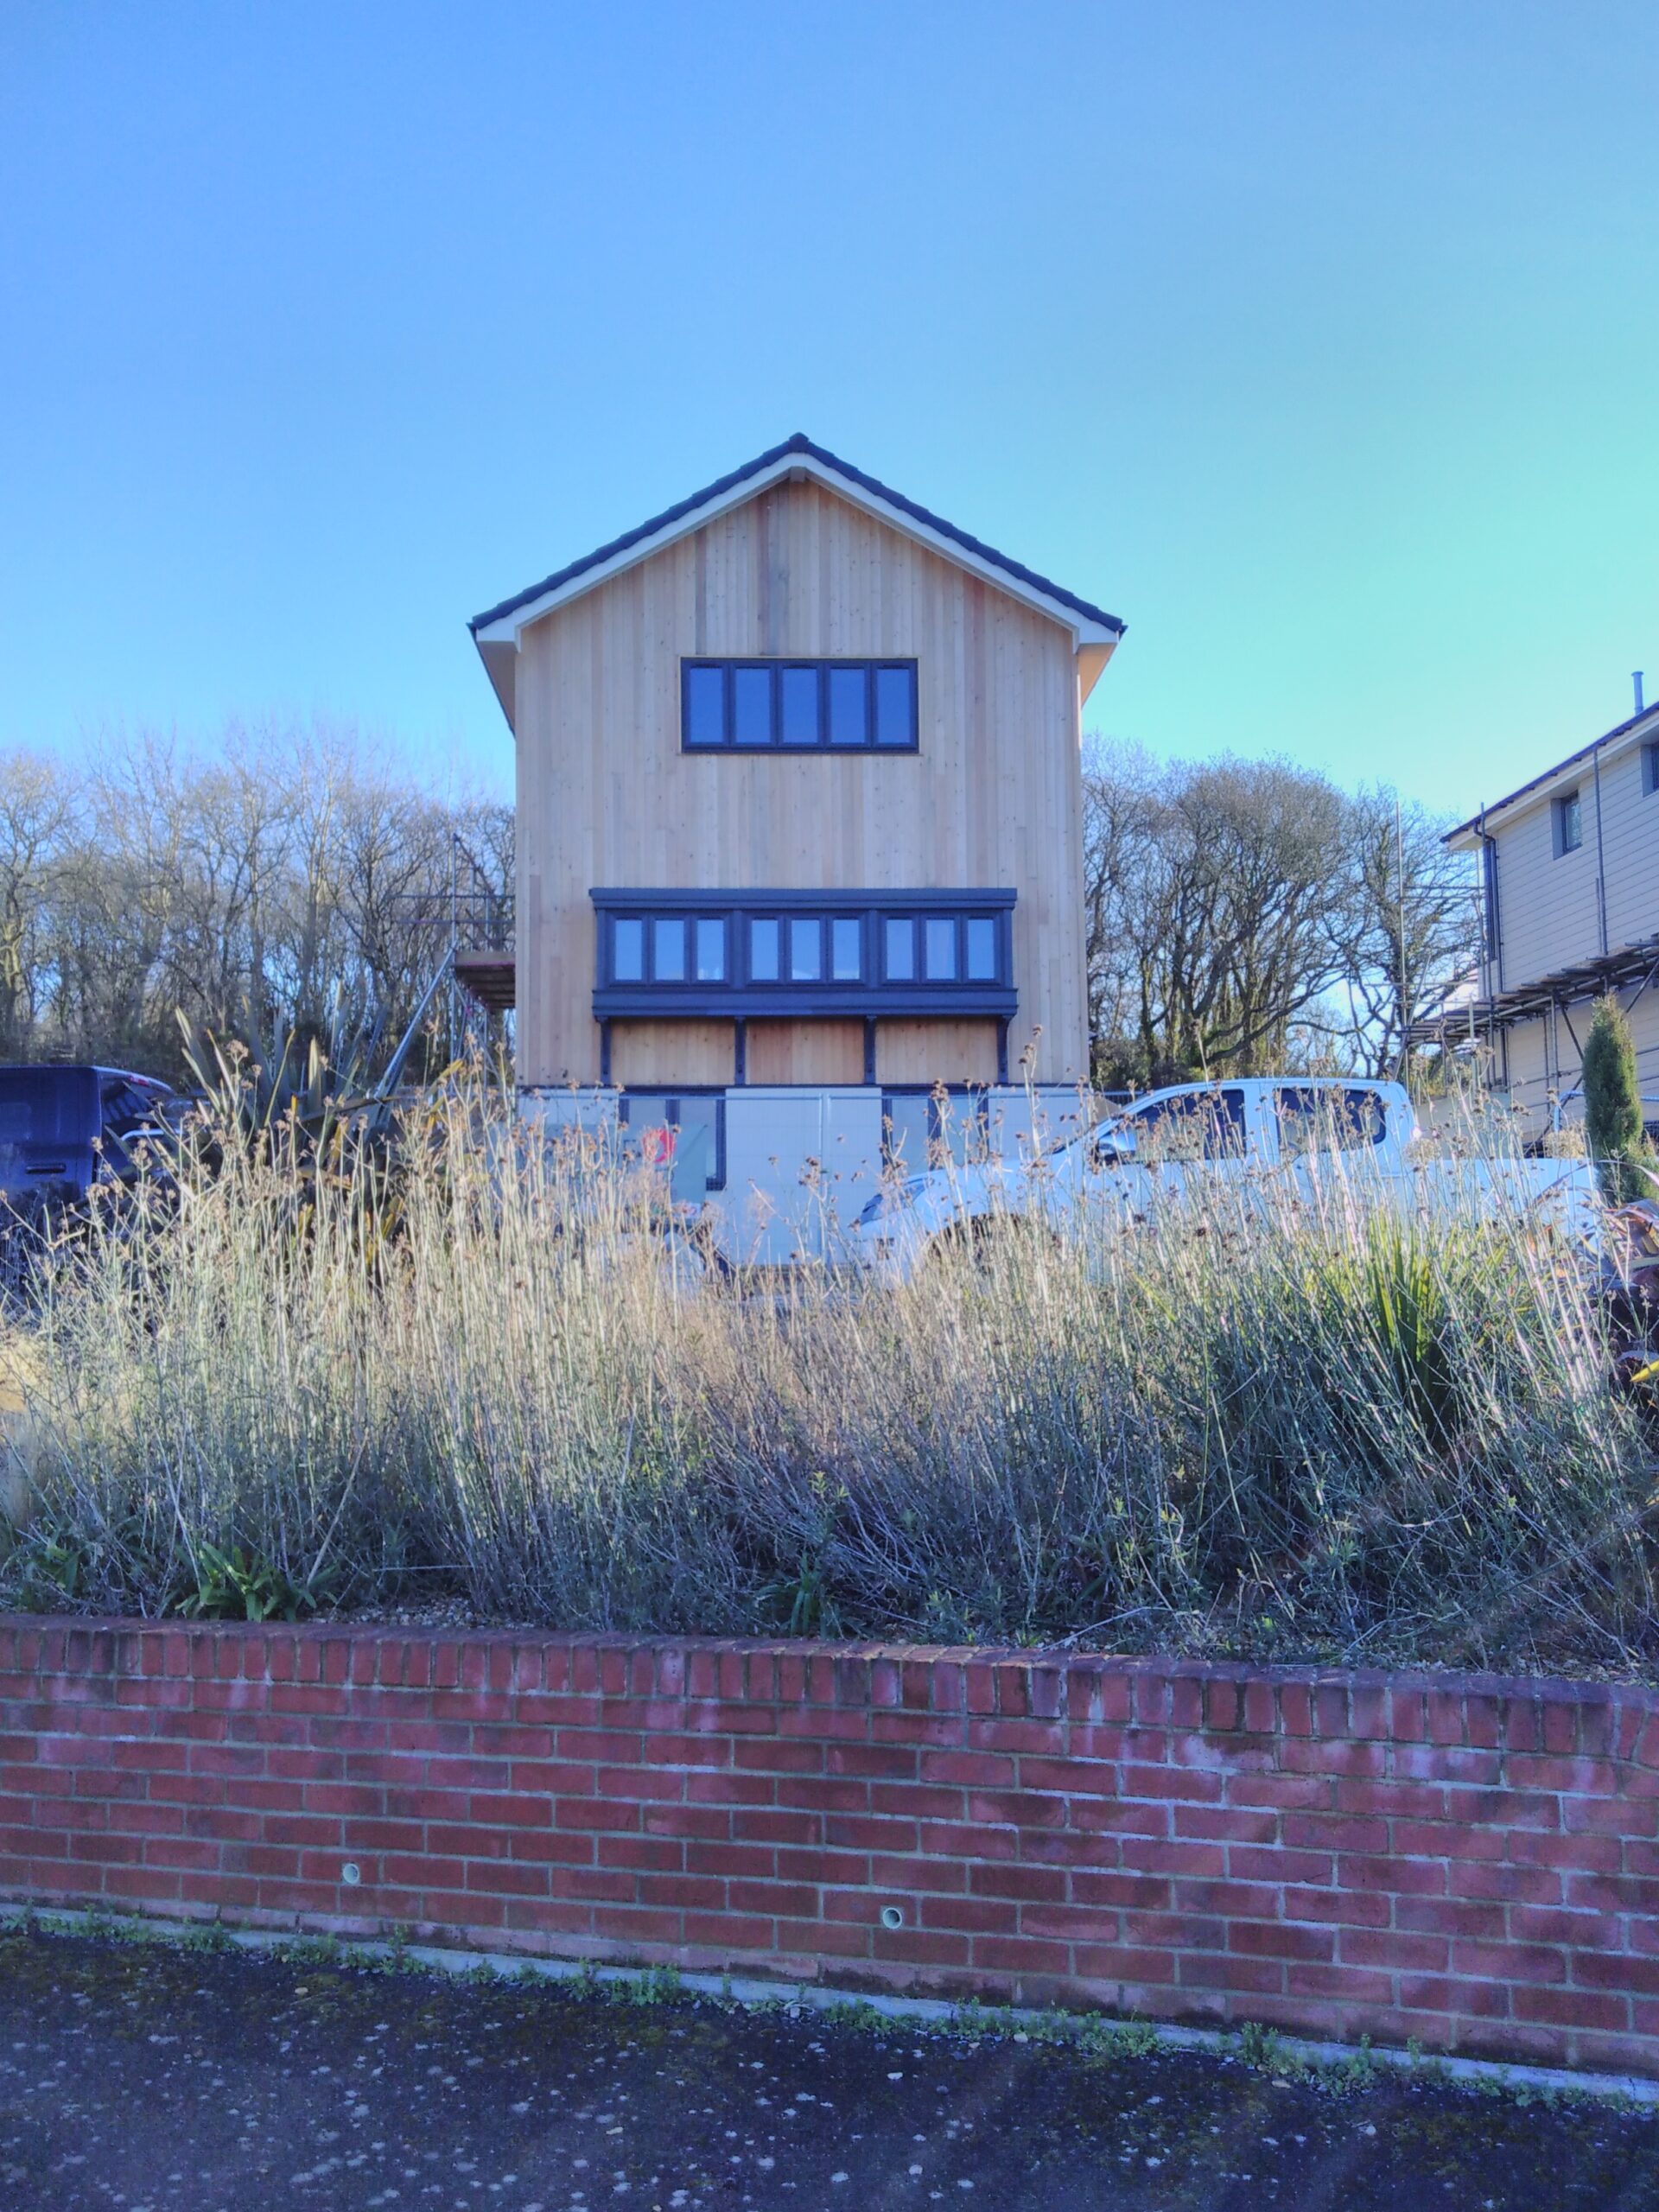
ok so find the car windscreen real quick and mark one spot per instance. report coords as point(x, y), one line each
point(1187, 1125)
point(47, 1106)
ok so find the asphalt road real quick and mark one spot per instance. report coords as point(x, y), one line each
point(154, 2079)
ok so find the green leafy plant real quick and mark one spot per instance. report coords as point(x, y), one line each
point(47, 1573)
point(1410, 1312)
point(240, 1585)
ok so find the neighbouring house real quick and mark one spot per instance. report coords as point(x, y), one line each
point(800, 838)
point(1569, 883)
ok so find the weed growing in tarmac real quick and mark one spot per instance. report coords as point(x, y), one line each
point(1092, 2036)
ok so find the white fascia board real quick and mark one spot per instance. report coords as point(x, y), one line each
point(1082, 631)
point(1579, 770)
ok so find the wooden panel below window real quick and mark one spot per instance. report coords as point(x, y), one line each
point(806, 1051)
point(658, 1055)
point(935, 1051)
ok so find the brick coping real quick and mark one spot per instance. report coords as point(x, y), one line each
point(1471, 1861)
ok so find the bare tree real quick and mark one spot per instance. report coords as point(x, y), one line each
point(257, 885)
point(1405, 928)
point(1207, 889)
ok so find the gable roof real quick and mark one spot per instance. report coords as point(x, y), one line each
point(496, 631)
point(1467, 833)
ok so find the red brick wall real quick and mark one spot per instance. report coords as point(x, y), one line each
point(1471, 1861)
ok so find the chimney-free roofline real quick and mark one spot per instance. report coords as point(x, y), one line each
point(496, 631)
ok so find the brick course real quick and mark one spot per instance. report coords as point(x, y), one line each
point(1466, 1860)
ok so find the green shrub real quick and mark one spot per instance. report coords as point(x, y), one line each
point(1612, 1108)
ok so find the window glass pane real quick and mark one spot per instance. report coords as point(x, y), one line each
point(900, 950)
point(711, 951)
point(1196, 1124)
point(667, 950)
point(895, 710)
point(798, 690)
point(696, 1152)
point(906, 1120)
point(982, 950)
point(805, 955)
point(1327, 1121)
point(941, 936)
point(849, 707)
point(705, 706)
point(763, 952)
point(1571, 823)
point(752, 706)
point(628, 951)
point(846, 953)
point(958, 1127)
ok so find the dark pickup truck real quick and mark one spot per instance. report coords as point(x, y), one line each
point(64, 1129)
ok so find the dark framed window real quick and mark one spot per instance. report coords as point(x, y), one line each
point(768, 706)
point(736, 953)
point(673, 951)
point(681, 1120)
point(1569, 823)
point(1650, 765)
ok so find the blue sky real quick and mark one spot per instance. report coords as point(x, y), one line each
point(1321, 342)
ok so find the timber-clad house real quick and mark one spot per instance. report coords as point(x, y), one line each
point(799, 833)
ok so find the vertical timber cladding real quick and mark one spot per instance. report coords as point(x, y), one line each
point(605, 796)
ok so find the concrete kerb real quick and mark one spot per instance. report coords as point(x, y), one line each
point(755, 1993)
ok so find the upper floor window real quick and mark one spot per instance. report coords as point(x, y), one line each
point(771, 705)
point(1569, 823)
point(1650, 764)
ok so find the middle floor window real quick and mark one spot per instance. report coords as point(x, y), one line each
point(766, 706)
point(798, 952)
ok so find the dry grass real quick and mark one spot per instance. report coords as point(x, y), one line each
point(1341, 1438)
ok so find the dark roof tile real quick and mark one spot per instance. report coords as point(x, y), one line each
point(798, 443)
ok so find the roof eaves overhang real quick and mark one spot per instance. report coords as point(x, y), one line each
point(1637, 730)
point(496, 633)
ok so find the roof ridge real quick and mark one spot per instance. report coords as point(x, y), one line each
point(798, 442)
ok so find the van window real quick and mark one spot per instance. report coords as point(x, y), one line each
point(685, 1133)
point(1312, 1119)
point(1193, 1125)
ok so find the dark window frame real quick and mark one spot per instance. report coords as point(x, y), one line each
point(1568, 808)
point(740, 994)
point(728, 740)
point(1651, 767)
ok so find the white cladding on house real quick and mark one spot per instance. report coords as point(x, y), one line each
point(1570, 872)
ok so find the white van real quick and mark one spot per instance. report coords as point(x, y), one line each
point(1321, 1137)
